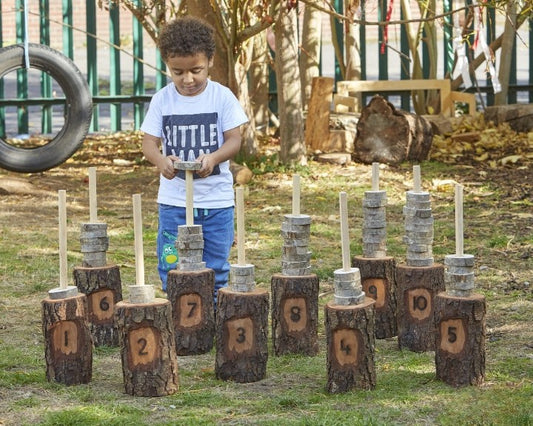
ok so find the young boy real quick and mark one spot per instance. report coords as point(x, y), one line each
point(193, 119)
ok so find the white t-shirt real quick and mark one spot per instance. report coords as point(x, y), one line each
point(189, 126)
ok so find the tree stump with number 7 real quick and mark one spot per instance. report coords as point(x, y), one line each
point(191, 296)
point(295, 314)
point(241, 335)
point(148, 349)
point(103, 288)
point(350, 342)
point(68, 342)
point(460, 339)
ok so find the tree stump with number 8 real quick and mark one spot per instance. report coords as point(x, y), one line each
point(350, 346)
point(191, 296)
point(241, 335)
point(379, 283)
point(460, 339)
point(295, 314)
point(417, 287)
point(68, 342)
point(148, 349)
point(103, 288)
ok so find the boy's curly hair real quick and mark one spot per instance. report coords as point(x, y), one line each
point(186, 36)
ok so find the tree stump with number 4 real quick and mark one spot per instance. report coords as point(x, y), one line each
point(295, 314)
point(191, 296)
point(460, 339)
point(350, 341)
point(241, 335)
point(103, 288)
point(68, 342)
point(148, 349)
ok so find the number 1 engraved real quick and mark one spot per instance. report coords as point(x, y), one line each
point(65, 337)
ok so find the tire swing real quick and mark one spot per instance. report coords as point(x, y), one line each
point(77, 113)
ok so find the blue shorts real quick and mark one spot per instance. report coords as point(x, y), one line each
point(218, 231)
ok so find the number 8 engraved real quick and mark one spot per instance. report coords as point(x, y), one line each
point(294, 314)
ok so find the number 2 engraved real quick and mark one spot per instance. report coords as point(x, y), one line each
point(142, 342)
point(143, 346)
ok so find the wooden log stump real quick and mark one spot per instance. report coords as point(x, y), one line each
point(379, 283)
point(148, 349)
point(317, 122)
point(417, 287)
point(191, 296)
point(295, 314)
point(388, 135)
point(103, 288)
point(460, 339)
point(68, 341)
point(350, 342)
point(241, 335)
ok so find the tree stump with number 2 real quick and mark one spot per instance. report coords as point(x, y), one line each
point(350, 342)
point(148, 349)
point(241, 335)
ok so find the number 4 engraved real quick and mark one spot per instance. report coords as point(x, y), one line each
point(346, 346)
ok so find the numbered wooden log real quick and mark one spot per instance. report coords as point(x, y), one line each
point(295, 314)
point(148, 348)
point(191, 296)
point(350, 346)
point(68, 341)
point(460, 339)
point(103, 288)
point(417, 288)
point(379, 282)
point(241, 335)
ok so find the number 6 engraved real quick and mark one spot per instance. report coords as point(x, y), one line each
point(452, 335)
point(101, 306)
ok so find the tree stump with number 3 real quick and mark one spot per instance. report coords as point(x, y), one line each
point(191, 296)
point(241, 335)
point(350, 342)
point(103, 288)
point(148, 349)
point(295, 314)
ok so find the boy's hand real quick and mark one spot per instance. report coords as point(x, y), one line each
point(208, 164)
point(166, 166)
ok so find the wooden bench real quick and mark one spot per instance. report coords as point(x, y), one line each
point(349, 91)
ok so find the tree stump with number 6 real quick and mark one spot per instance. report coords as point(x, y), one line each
point(460, 339)
point(350, 346)
point(191, 296)
point(148, 349)
point(241, 335)
point(103, 288)
point(68, 342)
point(295, 314)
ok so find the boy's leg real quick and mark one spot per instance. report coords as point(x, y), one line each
point(170, 217)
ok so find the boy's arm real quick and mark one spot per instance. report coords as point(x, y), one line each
point(151, 150)
point(230, 148)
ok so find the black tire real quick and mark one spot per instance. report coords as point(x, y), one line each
point(78, 109)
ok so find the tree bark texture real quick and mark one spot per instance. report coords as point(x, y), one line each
point(417, 288)
point(460, 339)
point(241, 335)
point(148, 348)
point(103, 288)
point(379, 283)
point(388, 135)
point(310, 51)
point(350, 346)
point(317, 122)
point(191, 296)
point(68, 341)
point(518, 116)
point(295, 314)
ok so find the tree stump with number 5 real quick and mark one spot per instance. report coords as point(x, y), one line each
point(460, 339)
point(148, 349)
point(103, 288)
point(241, 335)
point(350, 346)
point(191, 296)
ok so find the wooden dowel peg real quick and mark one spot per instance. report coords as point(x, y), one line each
point(137, 229)
point(375, 176)
point(459, 236)
point(189, 167)
point(93, 216)
point(241, 259)
point(417, 180)
point(345, 240)
point(63, 266)
point(296, 195)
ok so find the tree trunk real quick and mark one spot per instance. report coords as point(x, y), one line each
point(506, 53)
point(292, 144)
point(258, 82)
point(310, 51)
point(317, 122)
point(353, 57)
point(389, 135)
